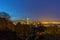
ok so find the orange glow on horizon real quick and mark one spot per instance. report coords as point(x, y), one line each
point(50, 22)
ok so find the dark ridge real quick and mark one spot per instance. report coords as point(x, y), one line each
point(8, 35)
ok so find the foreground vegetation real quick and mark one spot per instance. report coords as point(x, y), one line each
point(8, 31)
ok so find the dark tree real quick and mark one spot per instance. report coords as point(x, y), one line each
point(41, 28)
point(5, 15)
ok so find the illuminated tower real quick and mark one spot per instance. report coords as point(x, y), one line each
point(28, 21)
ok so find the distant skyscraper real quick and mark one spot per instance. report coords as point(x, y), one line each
point(29, 21)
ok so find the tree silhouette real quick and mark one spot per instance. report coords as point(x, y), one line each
point(6, 27)
point(41, 28)
point(5, 15)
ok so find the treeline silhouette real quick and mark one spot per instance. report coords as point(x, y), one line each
point(9, 31)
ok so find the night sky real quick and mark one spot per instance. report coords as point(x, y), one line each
point(43, 10)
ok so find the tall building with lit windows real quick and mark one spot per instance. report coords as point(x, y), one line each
point(29, 21)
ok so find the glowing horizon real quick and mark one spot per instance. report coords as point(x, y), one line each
point(43, 10)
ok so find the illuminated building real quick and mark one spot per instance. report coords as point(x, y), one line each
point(15, 22)
point(36, 23)
point(29, 21)
point(23, 22)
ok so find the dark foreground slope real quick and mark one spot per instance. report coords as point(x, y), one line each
point(8, 35)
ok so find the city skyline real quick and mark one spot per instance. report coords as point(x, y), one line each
point(41, 10)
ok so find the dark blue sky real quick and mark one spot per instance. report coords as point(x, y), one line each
point(44, 10)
